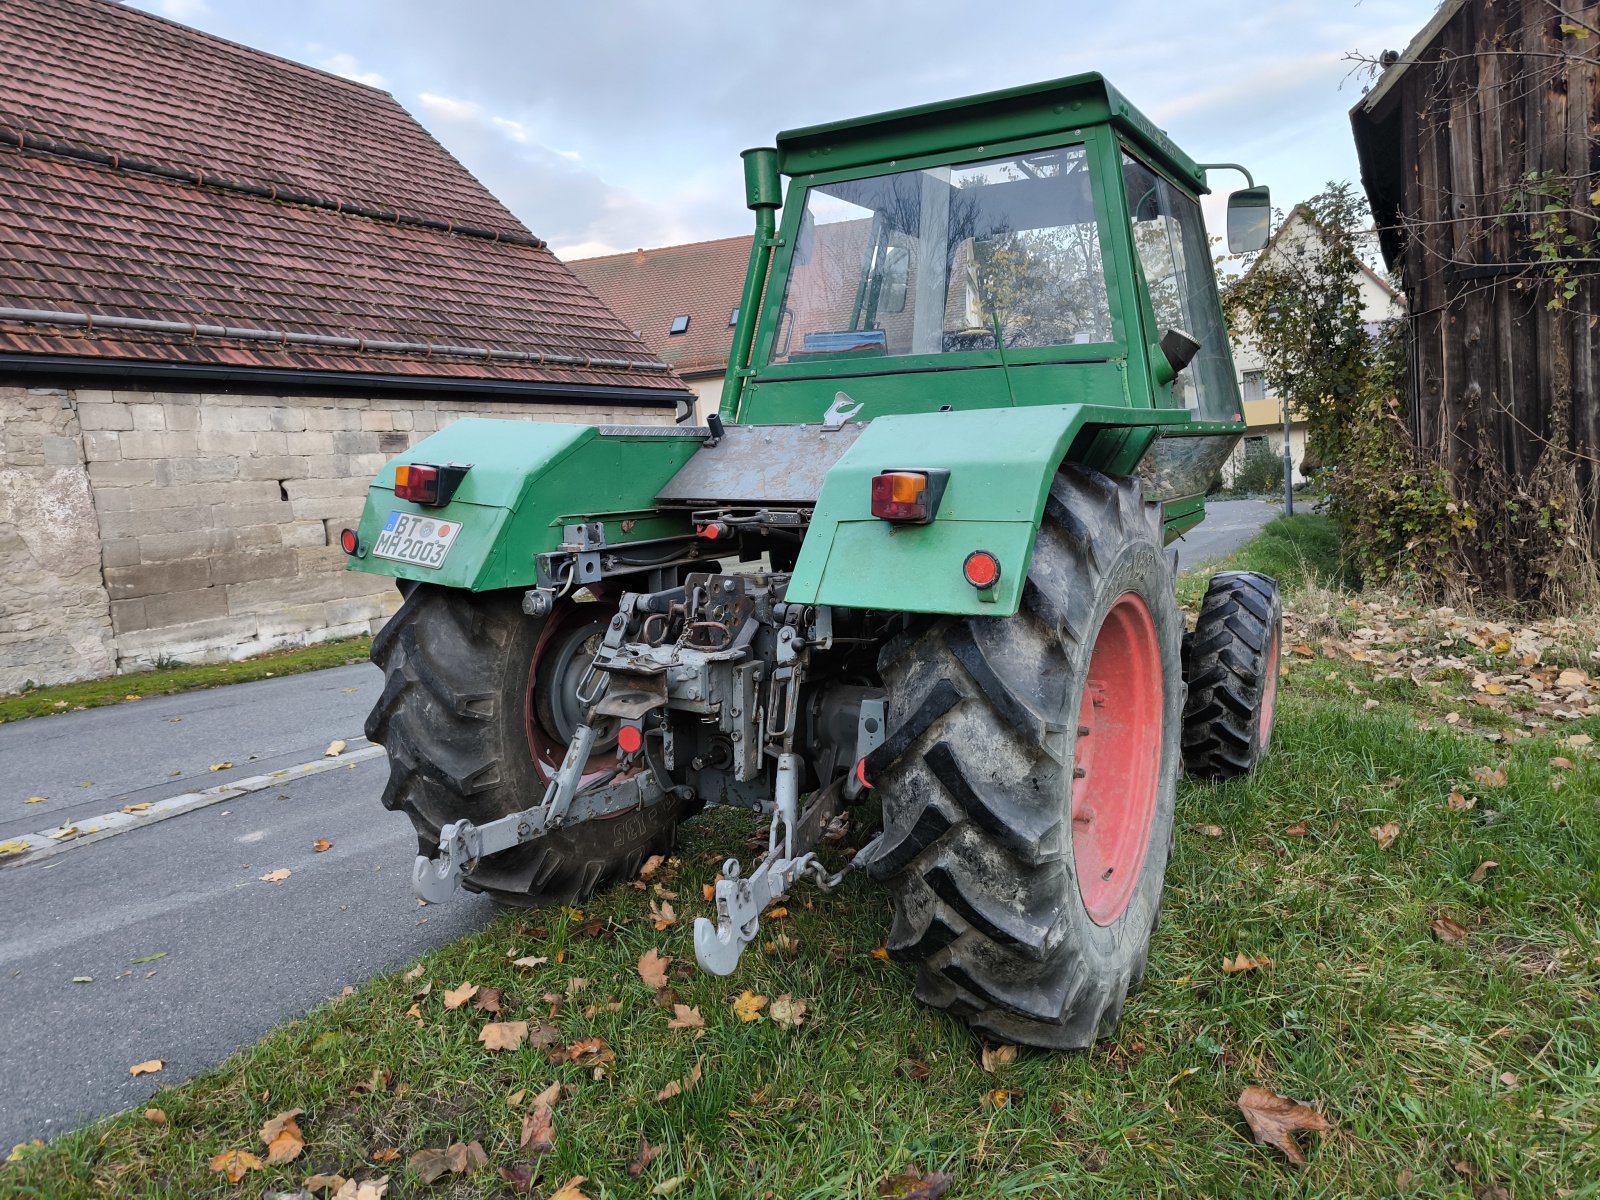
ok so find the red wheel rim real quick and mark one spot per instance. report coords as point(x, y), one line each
point(546, 749)
point(1269, 687)
point(1117, 762)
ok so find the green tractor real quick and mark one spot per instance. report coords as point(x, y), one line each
point(979, 384)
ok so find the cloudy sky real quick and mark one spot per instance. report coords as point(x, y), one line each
point(611, 124)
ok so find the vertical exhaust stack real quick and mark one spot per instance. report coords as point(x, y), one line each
point(763, 193)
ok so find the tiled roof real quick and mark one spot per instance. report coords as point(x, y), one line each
point(649, 288)
point(102, 105)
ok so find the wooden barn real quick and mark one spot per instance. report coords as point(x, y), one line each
point(1480, 154)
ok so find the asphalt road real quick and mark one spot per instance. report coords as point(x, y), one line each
point(1229, 524)
point(238, 955)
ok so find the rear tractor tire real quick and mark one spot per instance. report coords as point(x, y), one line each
point(1232, 664)
point(475, 713)
point(1029, 776)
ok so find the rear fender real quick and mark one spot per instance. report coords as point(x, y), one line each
point(1001, 462)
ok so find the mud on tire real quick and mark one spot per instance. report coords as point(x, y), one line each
point(977, 778)
point(1231, 666)
point(454, 718)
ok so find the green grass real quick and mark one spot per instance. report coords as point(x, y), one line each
point(1298, 551)
point(166, 680)
point(1400, 1038)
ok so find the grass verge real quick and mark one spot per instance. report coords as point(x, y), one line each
point(164, 681)
point(1448, 1067)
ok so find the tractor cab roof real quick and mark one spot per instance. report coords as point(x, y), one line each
point(987, 121)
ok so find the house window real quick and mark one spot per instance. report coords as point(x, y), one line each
point(1254, 385)
point(733, 317)
point(680, 324)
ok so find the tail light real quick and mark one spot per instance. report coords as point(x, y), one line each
point(982, 569)
point(349, 541)
point(422, 483)
point(908, 497)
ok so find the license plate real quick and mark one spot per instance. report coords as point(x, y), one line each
point(420, 541)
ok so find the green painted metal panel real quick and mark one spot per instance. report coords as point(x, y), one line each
point(527, 479)
point(1000, 461)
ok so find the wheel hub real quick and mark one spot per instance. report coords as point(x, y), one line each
point(1117, 759)
point(566, 648)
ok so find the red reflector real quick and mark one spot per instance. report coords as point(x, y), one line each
point(712, 530)
point(629, 738)
point(982, 569)
point(349, 542)
point(900, 496)
point(418, 484)
point(861, 774)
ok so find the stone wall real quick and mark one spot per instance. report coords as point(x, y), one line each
point(202, 526)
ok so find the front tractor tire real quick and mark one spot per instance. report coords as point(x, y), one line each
point(475, 713)
point(1232, 665)
point(1028, 779)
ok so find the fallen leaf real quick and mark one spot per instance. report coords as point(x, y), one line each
point(12, 847)
point(538, 1131)
point(777, 914)
point(221, 766)
point(1489, 777)
point(651, 866)
point(1384, 835)
point(1274, 1119)
point(1297, 830)
point(881, 954)
point(457, 1158)
point(537, 961)
point(324, 1183)
point(676, 1087)
point(388, 1154)
point(643, 1158)
point(143, 806)
point(570, 1190)
point(366, 1189)
point(1447, 930)
point(519, 1176)
point(36, 799)
point(277, 876)
point(377, 1082)
point(1481, 871)
point(147, 1068)
point(708, 892)
point(488, 1000)
point(1303, 650)
point(748, 1006)
point(236, 1164)
point(456, 997)
point(653, 969)
point(1562, 764)
point(913, 1184)
point(787, 1011)
point(997, 1056)
point(282, 1137)
point(1243, 962)
point(503, 1035)
point(321, 844)
point(1210, 831)
point(667, 1186)
point(1456, 802)
point(590, 1052)
point(335, 748)
point(155, 1116)
point(662, 914)
point(1510, 1079)
point(685, 1017)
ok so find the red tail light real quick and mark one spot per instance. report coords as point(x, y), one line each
point(349, 542)
point(982, 569)
point(908, 497)
point(421, 483)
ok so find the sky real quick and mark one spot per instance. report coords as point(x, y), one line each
point(608, 125)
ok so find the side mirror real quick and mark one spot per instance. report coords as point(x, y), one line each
point(1179, 349)
point(1249, 219)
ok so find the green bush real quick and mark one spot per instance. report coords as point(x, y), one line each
point(1261, 471)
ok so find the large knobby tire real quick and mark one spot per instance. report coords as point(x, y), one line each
point(1232, 665)
point(468, 738)
point(1026, 892)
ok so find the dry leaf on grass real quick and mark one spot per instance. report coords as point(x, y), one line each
point(321, 844)
point(1243, 962)
point(676, 1087)
point(388, 1154)
point(235, 1164)
point(324, 1183)
point(685, 1017)
point(651, 866)
point(914, 1184)
point(777, 914)
point(147, 1068)
point(1298, 830)
point(653, 969)
point(1456, 802)
point(1489, 777)
point(456, 997)
point(881, 953)
point(335, 748)
point(488, 1000)
point(364, 1189)
point(538, 1131)
point(1274, 1119)
point(787, 1011)
point(1447, 930)
point(571, 1190)
point(456, 1158)
point(283, 1138)
point(1563, 764)
point(1210, 831)
point(645, 1155)
point(377, 1082)
point(532, 961)
point(155, 1116)
point(748, 1006)
point(997, 1056)
point(277, 876)
point(1384, 835)
point(1481, 871)
point(661, 913)
point(503, 1035)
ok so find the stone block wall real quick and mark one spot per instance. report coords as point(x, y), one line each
point(202, 526)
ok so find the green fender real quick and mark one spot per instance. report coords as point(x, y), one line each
point(1001, 462)
point(528, 479)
